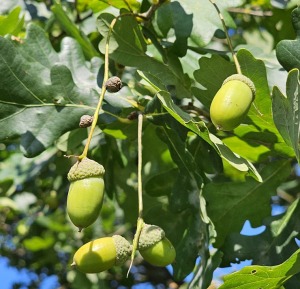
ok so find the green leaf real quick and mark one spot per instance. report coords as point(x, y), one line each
point(41, 98)
point(72, 30)
point(261, 128)
point(264, 277)
point(10, 168)
point(203, 274)
point(287, 51)
point(12, 23)
point(71, 140)
point(120, 4)
point(8, 203)
point(255, 69)
point(273, 246)
point(204, 156)
point(252, 150)
point(286, 111)
point(127, 46)
point(160, 184)
point(211, 80)
point(187, 183)
point(55, 222)
point(198, 22)
point(240, 201)
point(37, 243)
point(186, 254)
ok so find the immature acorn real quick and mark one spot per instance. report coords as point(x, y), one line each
point(102, 254)
point(113, 84)
point(85, 196)
point(232, 102)
point(154, 247)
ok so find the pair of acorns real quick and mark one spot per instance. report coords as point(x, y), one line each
point(84, 202)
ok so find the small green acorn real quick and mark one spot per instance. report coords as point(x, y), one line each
point(102, 254)
point(154, 246)
point(232, 102)
point(85, 196)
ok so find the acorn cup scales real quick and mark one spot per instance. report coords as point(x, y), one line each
point(85, 196)
point(154, 246)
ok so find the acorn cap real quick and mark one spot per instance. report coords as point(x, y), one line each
point(85, 168)
point(242, 78)
point(123, 249)
point(150, 235)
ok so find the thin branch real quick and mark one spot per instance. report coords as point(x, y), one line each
point(246, 11)
point(236, 62)
point(140, 148)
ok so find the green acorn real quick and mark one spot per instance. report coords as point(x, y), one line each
point(85, 196)
point(232, 102)
point(154, 247)
point(102, 254)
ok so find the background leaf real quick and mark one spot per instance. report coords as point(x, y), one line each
point(128, 47)
point(273, 246)
point(264, 277)
point(12, 23)
point(72, 30)
point(286, 111)
point(287, 50)
point(199, 22)
point(248, 199)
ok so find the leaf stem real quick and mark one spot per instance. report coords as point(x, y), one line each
point(140, 221)
point(236, 62)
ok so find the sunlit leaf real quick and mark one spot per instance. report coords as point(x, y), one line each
point(286, 111)
point(287, 50)
point(235, 202)
point(264, 277)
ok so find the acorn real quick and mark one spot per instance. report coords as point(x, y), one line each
point(232, 102)
point(113, 84)
point(102, 254)
point(85, 196)
point(154, 246)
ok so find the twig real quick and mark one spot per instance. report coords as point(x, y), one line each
point(259, 13)
point(236, 62)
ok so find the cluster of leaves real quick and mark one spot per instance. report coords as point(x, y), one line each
point(200, 185)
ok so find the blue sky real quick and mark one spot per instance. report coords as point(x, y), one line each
point(10, 275)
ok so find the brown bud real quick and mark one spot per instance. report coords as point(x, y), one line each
point(113, 84)
point(133, 115)
point(86, 121)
